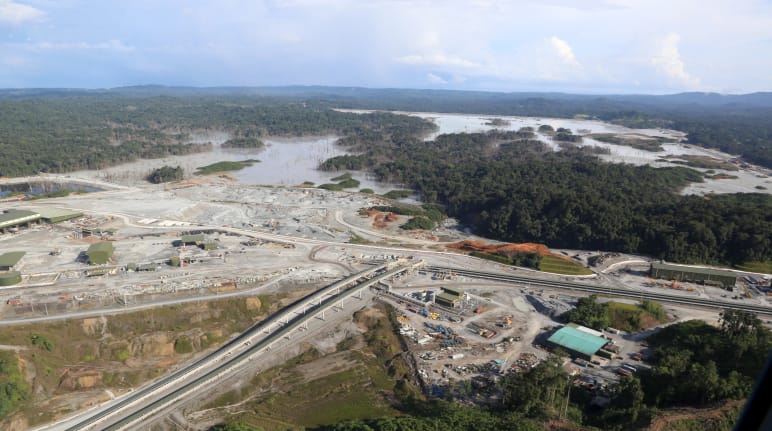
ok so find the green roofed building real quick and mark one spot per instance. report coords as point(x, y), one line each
point(193, 239)
point(447, 300)
point(57, 215)
point(100, 253)
point(10, 259)
point(10, 278)
point(715, 277)
point(13, 218)
point(577, 342)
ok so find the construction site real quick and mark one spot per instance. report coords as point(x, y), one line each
point(139, 249)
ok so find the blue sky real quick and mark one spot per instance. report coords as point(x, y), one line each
point(586, 46)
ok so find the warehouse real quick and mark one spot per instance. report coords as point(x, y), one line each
point(193, 239)
point(16, 218)
point(450, 298)
point(714, 277)
point(100, 253)
point(57, 215)
point(577, 341)
point(9, 260)
point(9, 278)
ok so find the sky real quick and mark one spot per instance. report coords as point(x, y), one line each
point(580, 46)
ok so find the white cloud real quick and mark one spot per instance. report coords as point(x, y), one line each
point(437, 59)
point(111, 45)
point(564, 51)
point(668, 62)
point(17, 13)
point(436, 79)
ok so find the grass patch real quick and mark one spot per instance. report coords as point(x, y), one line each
point(398, 194)
point(225, 167)
point(764, 267)
point(356, 239)
point(633, 317)
point(557, 265)
point(653, 143)
point(367, 191)
point(344, 177)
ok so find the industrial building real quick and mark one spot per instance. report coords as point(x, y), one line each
point(57, 215)
point(713, 277)
point(450, 298)
point(16, 218)
point(199, 240)
point(10, 259)
point(100, 253)
point(577, 341)
point(9, 278)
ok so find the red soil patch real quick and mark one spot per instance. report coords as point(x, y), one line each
point(482, 247)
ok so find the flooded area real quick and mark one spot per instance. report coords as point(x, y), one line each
point(293, 161)
point(749, 179)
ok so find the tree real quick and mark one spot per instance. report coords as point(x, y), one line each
point(589, 312)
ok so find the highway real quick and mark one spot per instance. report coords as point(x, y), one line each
point(141, 404)
point(604, 290)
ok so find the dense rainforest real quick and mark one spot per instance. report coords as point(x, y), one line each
point(71, 133)
point(516, 189)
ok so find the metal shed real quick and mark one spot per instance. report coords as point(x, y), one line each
point(577, 342)
point(666, 271)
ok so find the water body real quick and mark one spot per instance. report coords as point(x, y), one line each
point(747, 181)
point(43, 187)
point(290, 162)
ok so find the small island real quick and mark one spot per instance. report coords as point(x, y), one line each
point(497, 122)
point(218, 167)
point(250, 143)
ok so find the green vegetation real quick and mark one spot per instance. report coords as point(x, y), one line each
point(367, 191)
point(42, 341)
point(628, 317)
point(356, 239)
point(559, 265)
point(590, 313)
point(565, 135)
point(165, 174)
point(183, 345)
point(331, 186)
point(524, 260)
point(243, 143)
point(764, 267)
point(342, 177)
point(344, 181)
point(398, 194)
point(439, 415)
point(497, 122)
point(520, 191)
point(697, 364)
point(647, 143)
point(218, 167)
point(13, 387)
point(64, 133)
point(419, 223)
